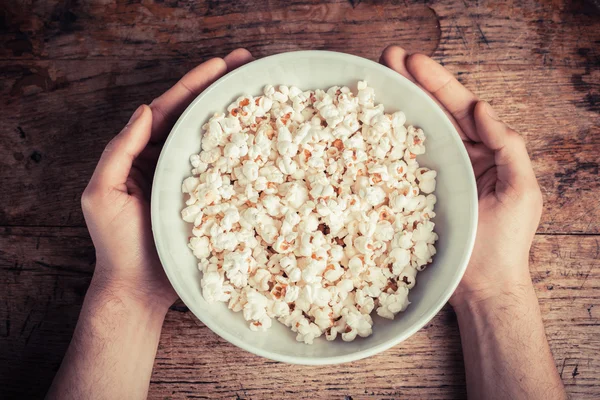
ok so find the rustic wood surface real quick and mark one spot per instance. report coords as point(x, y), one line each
point(73, 71)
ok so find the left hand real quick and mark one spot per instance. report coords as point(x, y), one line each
point(116, 202)
point(510, 200)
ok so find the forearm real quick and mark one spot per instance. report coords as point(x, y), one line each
point(505, 348)
point(112, 351)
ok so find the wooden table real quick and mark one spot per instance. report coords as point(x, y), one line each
point(73, 71)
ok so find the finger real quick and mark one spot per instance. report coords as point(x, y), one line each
point(482, 158)
point(137, 184)
point(149, 156)
point(146, 161)
point(510, 154)
point(237, 58)
point(169, 106)
point(438, 81)
point(395, 57)
point(118, 156)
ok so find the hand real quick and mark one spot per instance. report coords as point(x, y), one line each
point(510, 201)
point(116, 202)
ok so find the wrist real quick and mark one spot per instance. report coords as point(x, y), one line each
point(491, 297)
point(113, 346)
point(492, 301)
point(104, 292)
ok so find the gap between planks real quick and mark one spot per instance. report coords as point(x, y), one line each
point(84, 227)
point(201, 60)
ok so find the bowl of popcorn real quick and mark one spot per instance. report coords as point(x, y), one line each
point(314, 207)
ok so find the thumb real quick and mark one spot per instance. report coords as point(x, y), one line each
point(513, 166)
point(118, 156)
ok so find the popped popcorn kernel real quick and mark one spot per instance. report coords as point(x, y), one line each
point(310, 208)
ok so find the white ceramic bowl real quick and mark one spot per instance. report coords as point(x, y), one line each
point(456, 208)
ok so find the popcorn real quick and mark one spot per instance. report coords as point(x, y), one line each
point(323, 317)
point(415, 141)
point(190, 213)
point(255, 311)
point(391, 304)
point(214, 289)
point(333, 272)
point(426, 180)
point(236, 267)
point(225, 241)
point(400, 258)
point(384, 231)
point(407, 276)
point(200, 246)
point(358, 324)
point(373, 195)
point(237, 301)
point(403, 240)
point(309, 207)
point(250, 170)
point(260, 280)
point(210, 156)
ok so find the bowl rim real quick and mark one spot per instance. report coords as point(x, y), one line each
point(367, 352)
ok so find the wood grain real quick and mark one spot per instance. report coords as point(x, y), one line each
point(541, 33)
point(483, 32)
point(45, 272)
point(73, 71)
point(60, 114)
point(182, 29)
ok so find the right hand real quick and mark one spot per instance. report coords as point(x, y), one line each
point(510, 200)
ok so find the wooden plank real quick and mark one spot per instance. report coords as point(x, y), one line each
point(484, 32)
point(74, 71)
point(429, 365)
point(183, 29)
point(551, 34)
point(58, 115)
point(551, 109)
point(45, 272)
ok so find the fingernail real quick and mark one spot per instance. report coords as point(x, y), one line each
point(491, 112)
point(136, 115)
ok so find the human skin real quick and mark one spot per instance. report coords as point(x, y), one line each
point(114, 345)
point(505, 348)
